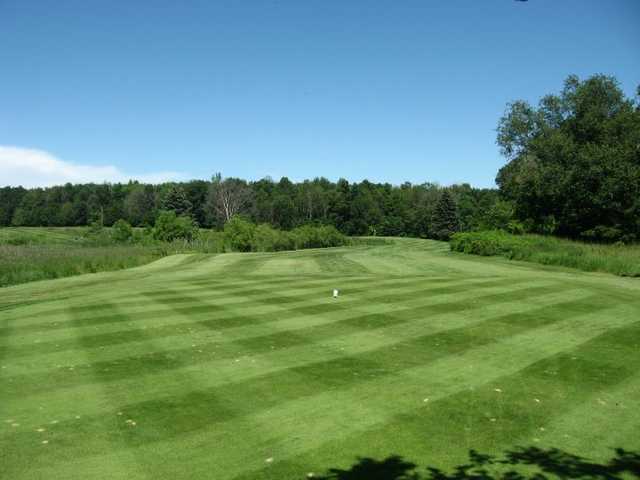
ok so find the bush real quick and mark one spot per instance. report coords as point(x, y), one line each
point(617, 259)
point(323, 236)
point(238, 234)
point(170, 227)
point(268, 239)
point(121, 231)
point(243, 236)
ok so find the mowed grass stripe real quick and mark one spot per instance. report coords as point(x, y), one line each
point(362, 408)
point(133, 296)
point(256, 298)
point(393, 352)
point(63, 337)
point(78, 286)
point(518, 418)
point(337, 261)
point(201, 409)
point(425, 307)
point(211, 344)
point(107, 435)
point(187, 331)
point(600, 408)
point(377, 405)
point(93, 316)
point(278, 359)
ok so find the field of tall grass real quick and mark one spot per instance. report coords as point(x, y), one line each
point(39, 253)
point(33, 253)
point(27, 263)
point(623, 260)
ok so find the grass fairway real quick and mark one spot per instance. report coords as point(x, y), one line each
point(242, 366)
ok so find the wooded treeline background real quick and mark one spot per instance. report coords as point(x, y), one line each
point(363, 208)
point(573, 169)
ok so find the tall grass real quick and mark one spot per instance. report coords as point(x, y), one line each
point(26, 263)
point(623, 260)
point(44, 235)
point(34, 253)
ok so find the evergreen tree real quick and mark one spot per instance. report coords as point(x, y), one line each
point(177, 201)
point(444, 222)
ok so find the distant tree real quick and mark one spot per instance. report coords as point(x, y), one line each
point(444, 222)
point(227, 198)
point(140, 205)
point(10, 199)
point(176, 200)
point(312, 200)
point(196, 192)
point(284, 211)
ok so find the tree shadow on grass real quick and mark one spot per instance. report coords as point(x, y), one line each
point(530, 463)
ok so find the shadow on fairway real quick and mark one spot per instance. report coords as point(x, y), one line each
point(530, 463)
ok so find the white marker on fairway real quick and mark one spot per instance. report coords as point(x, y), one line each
point(335, 293)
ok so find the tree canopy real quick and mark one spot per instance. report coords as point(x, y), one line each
point(363, 208)
point(574, 161)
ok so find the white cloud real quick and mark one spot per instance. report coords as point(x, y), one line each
point(37, 168)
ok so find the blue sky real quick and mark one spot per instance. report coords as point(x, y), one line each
point(386, 90)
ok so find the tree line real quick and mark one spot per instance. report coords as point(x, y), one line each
point(573, 170)
point(362, 208)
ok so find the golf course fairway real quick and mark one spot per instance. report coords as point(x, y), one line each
point(243, 366)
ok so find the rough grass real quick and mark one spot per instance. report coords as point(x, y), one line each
point(27, 263)
point(43, 235)
point(242, 366)
point(623, 260)
point(40, 253)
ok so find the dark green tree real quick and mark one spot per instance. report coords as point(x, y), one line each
point(574, 161)
point(140, 205)
point(176, 200)
point(444, 222)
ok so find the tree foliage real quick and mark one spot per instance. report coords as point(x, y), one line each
point(445, 218)
point(239, 234)
point(170, 227)
point(227, 198)
point(574, 161)
point(122, 231)
point(363, 208)
point(176, 200)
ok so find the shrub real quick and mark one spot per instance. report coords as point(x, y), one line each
point(268, 239)
point(170, 227)
point(121, 231)
point(618, 259)
point(238, 234)
point(308, 236)
point(243, 236)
